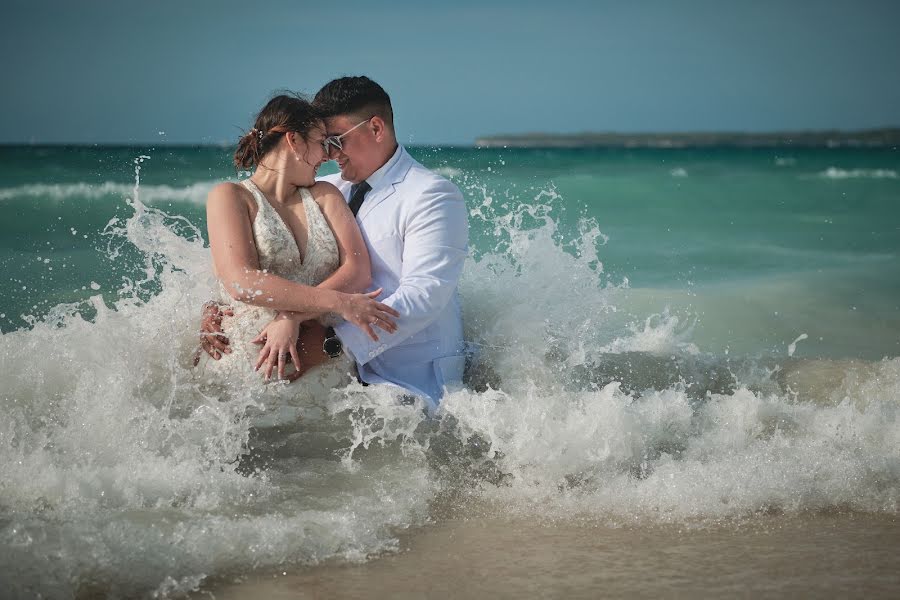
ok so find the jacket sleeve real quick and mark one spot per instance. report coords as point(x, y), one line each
point(435, 246)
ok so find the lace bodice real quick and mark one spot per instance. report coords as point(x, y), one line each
point(277, 249)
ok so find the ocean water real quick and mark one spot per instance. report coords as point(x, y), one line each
point(674, 338)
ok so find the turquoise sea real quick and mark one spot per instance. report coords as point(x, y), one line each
point(755, 246)
point(668, 337)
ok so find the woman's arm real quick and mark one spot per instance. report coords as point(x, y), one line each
point(237, 266)
point(355, 271)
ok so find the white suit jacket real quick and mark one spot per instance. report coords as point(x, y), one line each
point(415, 227)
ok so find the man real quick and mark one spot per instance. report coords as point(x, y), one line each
point(414, 224)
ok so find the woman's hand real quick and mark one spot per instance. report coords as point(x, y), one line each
point(279, 340)
point(364, 311)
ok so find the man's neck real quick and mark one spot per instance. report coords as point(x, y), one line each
point(378, 174)
point(386, 158)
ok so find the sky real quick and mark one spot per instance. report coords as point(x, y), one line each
point(197, 71)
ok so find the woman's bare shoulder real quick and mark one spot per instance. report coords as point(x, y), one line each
point(230, 193)
point(327, 195)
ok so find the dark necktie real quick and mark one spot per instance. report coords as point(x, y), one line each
point(357, 195)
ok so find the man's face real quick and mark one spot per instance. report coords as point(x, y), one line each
point(359, 156)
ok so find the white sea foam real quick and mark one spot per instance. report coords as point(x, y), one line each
point(149, 193)
point(661, 455)
point(662, 333)
point(836, 173)
point(118, 472)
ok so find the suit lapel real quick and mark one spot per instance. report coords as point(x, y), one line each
point(395, 175)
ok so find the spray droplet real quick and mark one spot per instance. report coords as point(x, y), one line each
point(792, 347)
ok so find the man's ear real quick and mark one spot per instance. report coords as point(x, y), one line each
point(379, 129)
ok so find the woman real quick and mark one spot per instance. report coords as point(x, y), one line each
point(284, 246)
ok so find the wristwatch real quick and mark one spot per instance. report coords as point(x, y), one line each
point(332, 346)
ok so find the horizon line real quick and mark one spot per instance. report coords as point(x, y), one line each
point(533, 137)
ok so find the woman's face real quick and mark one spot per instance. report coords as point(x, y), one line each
point(310, 154)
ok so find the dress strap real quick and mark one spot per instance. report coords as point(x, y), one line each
point(321, 239)
point(262, 205)
point(315, 220)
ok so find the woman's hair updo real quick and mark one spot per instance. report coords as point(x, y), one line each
point(281, 114)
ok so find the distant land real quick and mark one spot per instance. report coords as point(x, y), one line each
point(869, 138)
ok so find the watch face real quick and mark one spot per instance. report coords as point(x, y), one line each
point(332, 347)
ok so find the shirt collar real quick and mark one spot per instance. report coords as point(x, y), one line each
point(375, 178)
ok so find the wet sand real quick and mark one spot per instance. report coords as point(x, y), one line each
point(835, 555)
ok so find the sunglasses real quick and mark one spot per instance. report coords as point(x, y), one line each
point(333, 142)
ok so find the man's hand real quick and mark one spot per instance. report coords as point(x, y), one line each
point(309, 348)
point(212, 340)
point(365, 312)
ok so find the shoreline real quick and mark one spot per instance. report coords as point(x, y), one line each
point(834, 554)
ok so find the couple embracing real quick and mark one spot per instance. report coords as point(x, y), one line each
point(354, 271)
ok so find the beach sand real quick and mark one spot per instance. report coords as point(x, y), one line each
point(833, 555)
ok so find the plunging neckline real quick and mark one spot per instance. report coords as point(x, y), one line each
point(303, 256)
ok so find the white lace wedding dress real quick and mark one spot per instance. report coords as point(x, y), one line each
point(277, 250)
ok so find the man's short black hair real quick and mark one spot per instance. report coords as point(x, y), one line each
point(359, 96)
